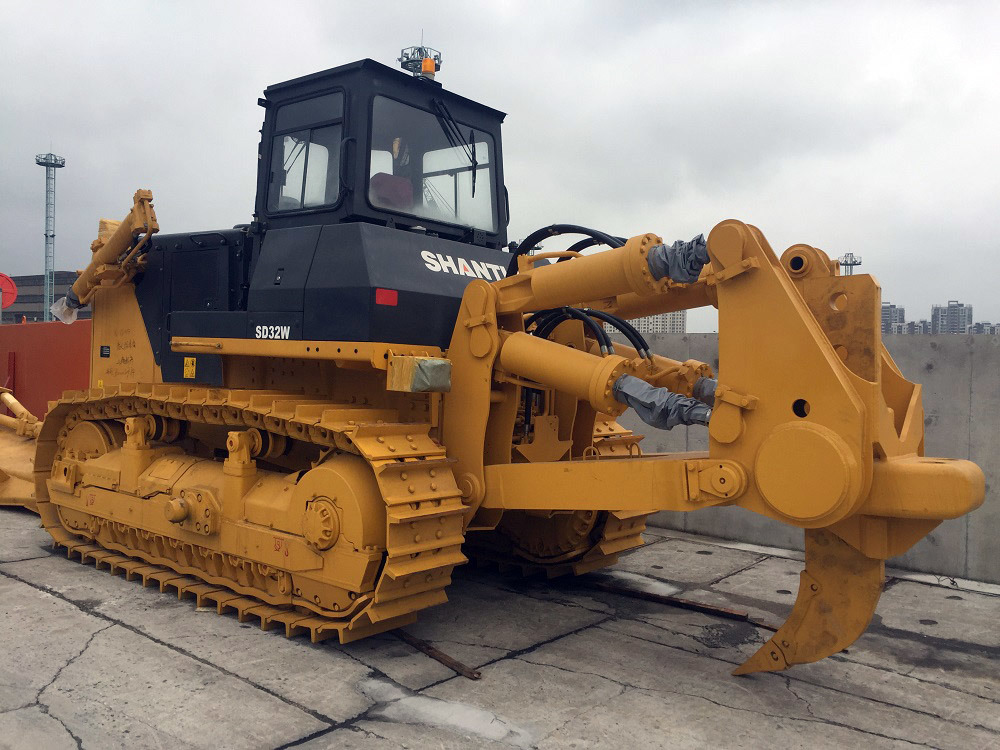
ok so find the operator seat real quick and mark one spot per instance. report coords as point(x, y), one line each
point(391, 191)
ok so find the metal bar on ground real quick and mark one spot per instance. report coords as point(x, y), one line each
point(437, 655)
point(675, 601)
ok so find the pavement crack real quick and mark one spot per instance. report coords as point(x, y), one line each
point(880, 701)
point(44, 707)
point(800, 679)
point(908, 674)
point(12, 709)
point(517, 653)
point(667, 691)
point(699, 637)
point(805, 703)
point(551, 597)
point(667, 630)
point(811, 720)
point(808, 707)
point(746, 567)
point(624, 685)
point(375, 672)
point(75, 738)
point(451, 641)
point(556, 732)
point(835, 657)
point(93, 612)
point(309, 737)
point(25, 559)
point(394, 704)
point(647, 543)
point(70, 661)
point(371, 733)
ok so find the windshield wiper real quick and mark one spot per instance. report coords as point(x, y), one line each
point(455, 137)
point(475, 165)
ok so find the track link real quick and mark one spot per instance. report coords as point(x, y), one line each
point(424, 512)
point(620, 532)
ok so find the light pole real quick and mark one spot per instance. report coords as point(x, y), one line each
point(51, 162)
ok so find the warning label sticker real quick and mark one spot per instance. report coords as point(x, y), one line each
point(189, 367)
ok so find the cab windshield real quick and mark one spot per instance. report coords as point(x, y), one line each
point(429, 166)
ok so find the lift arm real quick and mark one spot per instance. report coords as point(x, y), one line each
point(116, 257)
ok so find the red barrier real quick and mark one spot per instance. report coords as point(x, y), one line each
point(38, 361)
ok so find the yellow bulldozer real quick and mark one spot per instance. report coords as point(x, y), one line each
point(311, 419)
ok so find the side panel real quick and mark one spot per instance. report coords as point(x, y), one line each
point(199, 279)
point(423, 278)
point(279, 278)
point(120, 346)
point(336, 305)
point(190, 275)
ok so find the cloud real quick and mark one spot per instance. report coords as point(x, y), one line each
point(850, 126)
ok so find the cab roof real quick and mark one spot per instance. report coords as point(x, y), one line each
point(369, 68)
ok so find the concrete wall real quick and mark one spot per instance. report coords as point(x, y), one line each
point(961, 380)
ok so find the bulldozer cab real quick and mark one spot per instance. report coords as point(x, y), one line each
point(366, 143)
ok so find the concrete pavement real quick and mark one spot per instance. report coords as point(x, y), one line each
point(91, 660)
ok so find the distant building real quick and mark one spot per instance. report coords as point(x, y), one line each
point(892, 315)
point(912, 328)
point(30, 298)
point(951, 318)
point(671, 322)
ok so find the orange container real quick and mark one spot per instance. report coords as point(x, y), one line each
point(38, 361)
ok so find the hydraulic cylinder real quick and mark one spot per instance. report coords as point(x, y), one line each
point(588, 377)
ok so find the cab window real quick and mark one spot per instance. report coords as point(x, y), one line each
point(305, 154)
point(430, 166)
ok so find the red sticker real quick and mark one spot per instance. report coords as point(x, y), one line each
point(388, 297)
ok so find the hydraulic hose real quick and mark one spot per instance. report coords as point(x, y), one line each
point(627, 329)
point(598, 331)
point(547, 320)
point(584, 244)
point(529, 242)
point(535, 317)
point(581, 245)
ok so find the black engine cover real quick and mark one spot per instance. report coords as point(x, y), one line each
point(363, 282)
point(333, 282)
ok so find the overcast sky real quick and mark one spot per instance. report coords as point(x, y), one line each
point(867, 127)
